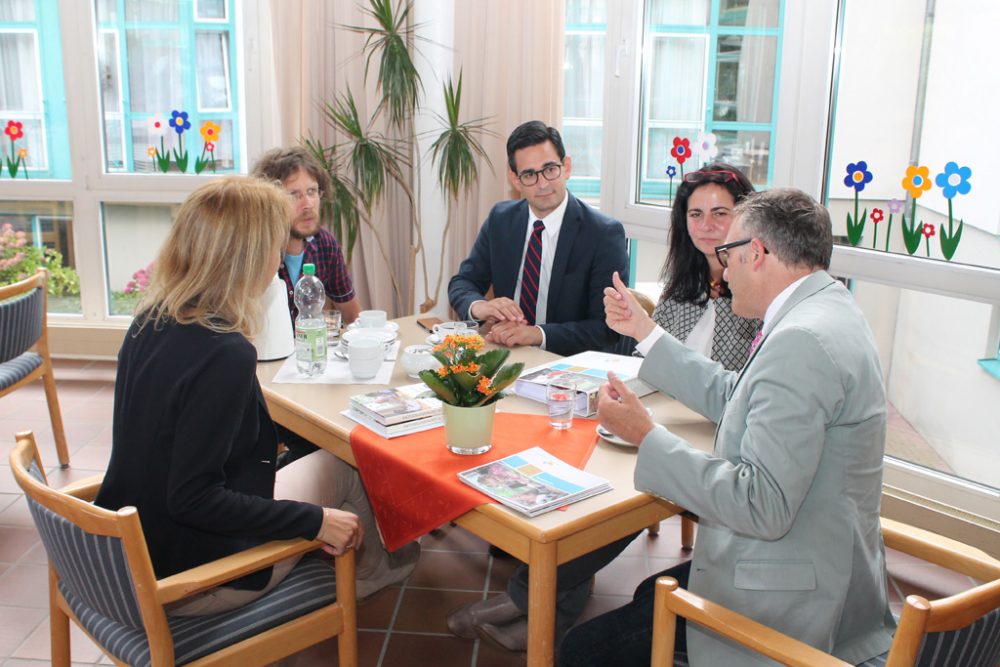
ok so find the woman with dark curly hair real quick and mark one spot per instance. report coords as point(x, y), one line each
point(696, 305)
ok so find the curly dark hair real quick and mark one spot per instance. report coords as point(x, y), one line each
point(685, 272)
point(277, 164)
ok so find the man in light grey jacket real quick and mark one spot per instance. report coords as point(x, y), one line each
point(789, 500)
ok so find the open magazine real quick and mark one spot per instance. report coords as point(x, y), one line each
point(533, 482)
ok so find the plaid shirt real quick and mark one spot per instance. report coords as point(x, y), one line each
point(324, 251)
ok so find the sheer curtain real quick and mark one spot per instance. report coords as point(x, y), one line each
point(511, 54)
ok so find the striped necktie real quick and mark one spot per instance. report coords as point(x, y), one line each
point(532, 269)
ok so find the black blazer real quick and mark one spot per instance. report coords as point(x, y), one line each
point(591, 247)
point(194, 449)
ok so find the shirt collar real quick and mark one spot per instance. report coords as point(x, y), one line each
point(553, 221)
point(778, 302)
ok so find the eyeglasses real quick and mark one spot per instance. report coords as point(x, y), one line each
point(718, 176)
point(551, 172)
point(311, 193)
point(722, 251)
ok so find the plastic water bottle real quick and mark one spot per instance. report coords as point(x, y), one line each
point(310, 328)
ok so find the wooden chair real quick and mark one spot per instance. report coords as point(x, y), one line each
point(23, 324)
point(687, 520)
point(100, 576)
point(961, 630)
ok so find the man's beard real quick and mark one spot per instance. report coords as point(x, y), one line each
point(296, 234)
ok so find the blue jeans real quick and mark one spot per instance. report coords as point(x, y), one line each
point(623, 636)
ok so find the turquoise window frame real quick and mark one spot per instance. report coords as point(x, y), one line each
point(54, 110)
point(187, 26)
point(659, 188)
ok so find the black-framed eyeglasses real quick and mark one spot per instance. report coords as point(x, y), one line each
point(551, 172)
point(722, 251)
point(714, 176)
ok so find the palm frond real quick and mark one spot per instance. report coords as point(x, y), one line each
point(456, 148)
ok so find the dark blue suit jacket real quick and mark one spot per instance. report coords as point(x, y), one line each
point(591, 247)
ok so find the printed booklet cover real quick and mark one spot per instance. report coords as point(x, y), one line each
point(395, 405)
point(534, 482)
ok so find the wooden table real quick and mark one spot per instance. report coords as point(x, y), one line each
point(544, 542)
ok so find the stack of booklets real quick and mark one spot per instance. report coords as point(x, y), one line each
point(397, 410)
point(589, 370)
point(534, 482)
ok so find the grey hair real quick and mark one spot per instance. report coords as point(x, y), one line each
point(793, 226)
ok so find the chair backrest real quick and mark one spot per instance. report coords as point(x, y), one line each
point(22, 315)
point(99, 556)
point(647, 304)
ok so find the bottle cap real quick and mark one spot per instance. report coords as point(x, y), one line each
point(309, 269)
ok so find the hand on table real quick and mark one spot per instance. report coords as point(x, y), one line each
point(622, 312)
point(340, 530)
point(513, 334)
point(621, 412)
point(500, 309)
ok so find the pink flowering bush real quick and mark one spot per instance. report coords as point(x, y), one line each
point(19, 259)
point(140, 281)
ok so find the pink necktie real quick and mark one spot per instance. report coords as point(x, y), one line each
point(756, 342)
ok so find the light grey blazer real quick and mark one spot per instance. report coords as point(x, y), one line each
point(789, 500)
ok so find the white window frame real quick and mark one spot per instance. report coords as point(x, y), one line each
point(807, 67)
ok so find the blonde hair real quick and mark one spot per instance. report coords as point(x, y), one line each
point(213, 268)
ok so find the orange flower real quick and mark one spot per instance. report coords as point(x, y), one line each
point(442, 372)
point(917, 180)
point(484, 386)
point(151, 152)
point(210, 131)
point(23, 153)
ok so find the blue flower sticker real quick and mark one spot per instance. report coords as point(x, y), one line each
point(857, 175)
point(671, 171)
point(179, 121)
point(954, 180)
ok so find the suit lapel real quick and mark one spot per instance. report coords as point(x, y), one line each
point(564, 246)
point(513, 232)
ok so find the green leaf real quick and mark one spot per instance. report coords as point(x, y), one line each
point(199, 165)
point(493, 360)
point(467, 381)
point(911, 235)
point(506, 376)
point(856, 231)
point(949, 244)
point(432, 380)
point(456, 148)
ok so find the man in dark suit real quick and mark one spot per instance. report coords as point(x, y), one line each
point(548, 276)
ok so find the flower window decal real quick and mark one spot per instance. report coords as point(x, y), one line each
point(180, 123)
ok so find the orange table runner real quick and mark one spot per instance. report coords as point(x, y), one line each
point(412, 481)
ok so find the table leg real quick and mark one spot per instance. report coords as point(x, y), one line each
point(541, 604)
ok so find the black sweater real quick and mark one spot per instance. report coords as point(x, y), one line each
point(194, 449)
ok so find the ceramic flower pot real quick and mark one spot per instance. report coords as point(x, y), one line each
point(469, 430)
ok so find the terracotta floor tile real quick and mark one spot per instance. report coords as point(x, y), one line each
point(16, 541)
point(7, 481)
point(16, 623)
point(501, 571)
point(453, 538)
point(449, 569)
point(488, 655)
point(425, 610)
point(377, 612)
point(423, 650)
point(38, 645)
point(325, 654)
point(15, 513)
point(26, 585)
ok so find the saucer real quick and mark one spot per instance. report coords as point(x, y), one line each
point(383, 336)
point(614, 439)
point(433, 339)
point(391, 327)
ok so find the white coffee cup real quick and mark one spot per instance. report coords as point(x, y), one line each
point(454, 329)
point(418, 358)
point(371, 319)
point(365, 357)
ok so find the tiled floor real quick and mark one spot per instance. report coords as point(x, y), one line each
point(401, 626)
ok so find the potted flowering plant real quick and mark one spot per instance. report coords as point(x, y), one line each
point(469, 384)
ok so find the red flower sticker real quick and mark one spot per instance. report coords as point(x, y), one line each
point(877, 215)
point(681, 150)
point(14, 129)
point(929, 230)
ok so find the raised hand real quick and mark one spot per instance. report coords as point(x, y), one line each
point(622, 312)
point(621, 412)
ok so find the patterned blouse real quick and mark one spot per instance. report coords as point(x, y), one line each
point(732, 336)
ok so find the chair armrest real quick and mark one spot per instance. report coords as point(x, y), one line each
point(940, 550)
point(84, 489)
point(216, 572)
point(737, 627)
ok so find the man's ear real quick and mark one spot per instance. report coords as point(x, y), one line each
point(757, 248)
point(514, 183)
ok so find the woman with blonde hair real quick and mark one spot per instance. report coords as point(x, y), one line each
point(194, 447)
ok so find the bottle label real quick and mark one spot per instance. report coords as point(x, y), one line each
point(312, 340)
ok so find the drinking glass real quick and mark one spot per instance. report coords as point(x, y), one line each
point(560, 396)
point(332, 318)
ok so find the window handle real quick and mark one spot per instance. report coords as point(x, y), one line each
point(622, 52)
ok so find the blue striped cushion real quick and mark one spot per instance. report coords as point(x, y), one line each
point(20, 324)
point(15, 370)
point(93, 567)
point(975, 645)
point(309, 586)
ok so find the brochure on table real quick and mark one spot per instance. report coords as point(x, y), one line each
point(396, 430)
point(589, 370)
point(534, 482)
point(395, 405)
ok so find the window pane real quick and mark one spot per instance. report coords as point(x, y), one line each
point(583, 144)
point(154, 62)
point(689, 12)
point(586, 11)
point(133, 234)
point(107, 10)
point(40, 234)
point(213, 70)
point(584, 76)
point(747, 150)
point(744, 86)
point(749, 13)
point(210, 9)
point(109, 70)
point(677, 79)
point(942, 405)
point(916, 113)
point(19, 85)
point(17, 10)
point(166, 11)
